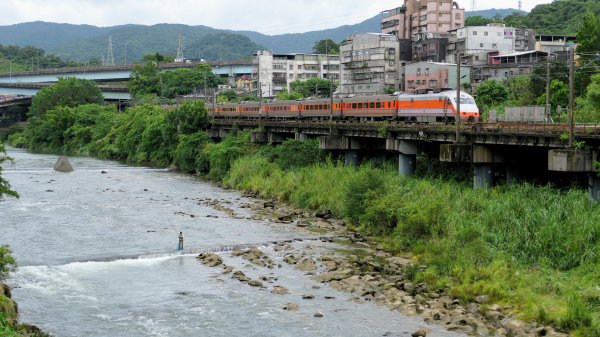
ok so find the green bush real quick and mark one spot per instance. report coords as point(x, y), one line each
point(189, 155)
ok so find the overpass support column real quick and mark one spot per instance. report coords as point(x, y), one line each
point(571, 160)
point(483, 166)
point(513, 174)
point(407, 158)
point(351, 157)
point(300, 136)
point(594, 187)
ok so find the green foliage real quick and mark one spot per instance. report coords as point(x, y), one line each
point(557, 17)
point(284, 95)
point(326, 46)
point(477, 21)
point(296, 153)
point(559, 95)
point(7, 262)
point(190, 117)
point(149, 80)
point(15, 59)
point(4, 185)
point(157, 58)
point(519, 91)
point(491, 93)
point(68, 92)
point(228, 95)
point(189, 155)
point(144, 80)
point(314, 87)
point(222, 155)
point(588, 107)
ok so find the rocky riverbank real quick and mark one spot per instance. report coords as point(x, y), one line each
point(8, 317)
point(369, 273)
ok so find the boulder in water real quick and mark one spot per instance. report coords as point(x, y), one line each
point(63, 165)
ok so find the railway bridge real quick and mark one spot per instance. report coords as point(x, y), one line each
point(497, 152)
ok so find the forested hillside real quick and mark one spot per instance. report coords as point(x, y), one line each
point(558, 17)
point(14, 58)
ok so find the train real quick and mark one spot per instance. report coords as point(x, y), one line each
point(438, 107)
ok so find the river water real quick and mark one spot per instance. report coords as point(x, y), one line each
point(97, 256)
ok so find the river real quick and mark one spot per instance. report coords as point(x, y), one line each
point(97, 256)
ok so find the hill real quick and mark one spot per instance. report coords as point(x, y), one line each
point(492, 13)
point(83, 43)
point(558, 17)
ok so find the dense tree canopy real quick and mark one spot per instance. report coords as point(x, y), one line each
point(148, 79)
point(491, 93)
point(327, 46)
point(68, 92)
point(314, 87)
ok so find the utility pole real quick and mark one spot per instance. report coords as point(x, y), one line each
point(330, 85)
point(259, 88)
point(548, 117)
point(125, 53)
point(457, 120)
point(571, 94)
point(110, 58)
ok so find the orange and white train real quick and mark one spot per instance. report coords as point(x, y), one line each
point(426, 108)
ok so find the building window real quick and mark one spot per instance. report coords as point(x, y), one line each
point(474, 33)
point(433, 83)
point(485, 33)
point(457, 16)
point(299, 67)
point(418, 71)
point(494, 46)
point(481, 45)
point(291, 67)
point(426, 71)
point(495, 72)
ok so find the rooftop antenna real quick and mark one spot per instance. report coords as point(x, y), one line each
point(179, 57)
point(110, 58)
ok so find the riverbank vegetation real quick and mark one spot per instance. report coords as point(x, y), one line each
point(531, 247)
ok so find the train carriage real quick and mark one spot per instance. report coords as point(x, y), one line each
point(320, 109)
point(283, 109)
point(377, 107)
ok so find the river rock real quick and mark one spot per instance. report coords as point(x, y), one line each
point(306, 264)
point(318, 314)
point(210, 259)
point(420, 333)
point(63, 165)
point(482, 299)
point(323, 214)
point(308, 296)
point(335, 275)
point(291, 307)
point(279, 290)
point(255, 283)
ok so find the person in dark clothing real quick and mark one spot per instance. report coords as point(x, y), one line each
point(180, 246)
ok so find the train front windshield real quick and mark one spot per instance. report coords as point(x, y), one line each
point(465, 100)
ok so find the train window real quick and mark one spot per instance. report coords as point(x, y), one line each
point(320, 106)
point(360, 105)
point(378, 105)
point(372, 105)
point(354, 106)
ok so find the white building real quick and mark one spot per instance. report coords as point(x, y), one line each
point(275, 72)
point(474, 43)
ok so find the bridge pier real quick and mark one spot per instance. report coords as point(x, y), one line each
point(594, 187)
point(513, 174)
point(484, 159)
point(300, 136)
point(571, 160)
point(407, 158)
point(351, 157)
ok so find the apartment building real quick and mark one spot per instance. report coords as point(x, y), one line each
point(422, 16)
point(275, 72)
point(475, 43)
point(372, 63)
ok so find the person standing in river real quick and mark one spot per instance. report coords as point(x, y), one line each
point(180, 246)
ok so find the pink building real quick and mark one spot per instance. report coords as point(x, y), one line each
point(433, 76)
point(422, 16)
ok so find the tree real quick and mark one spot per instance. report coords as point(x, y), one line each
point(190, 117)
point(558, 71)
point(588, 107)
point(559, 95)
point(313, 87)
point(519, 90)
point(7, 262)
point(228, 95)
point(158, 58)
point(476, 20)
point(491, 93)
point(144, 80)
point(588, 39)
point(4, 185)
point(69, 92)
point(327, 46)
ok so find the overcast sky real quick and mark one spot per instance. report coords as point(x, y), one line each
point(266, 16)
